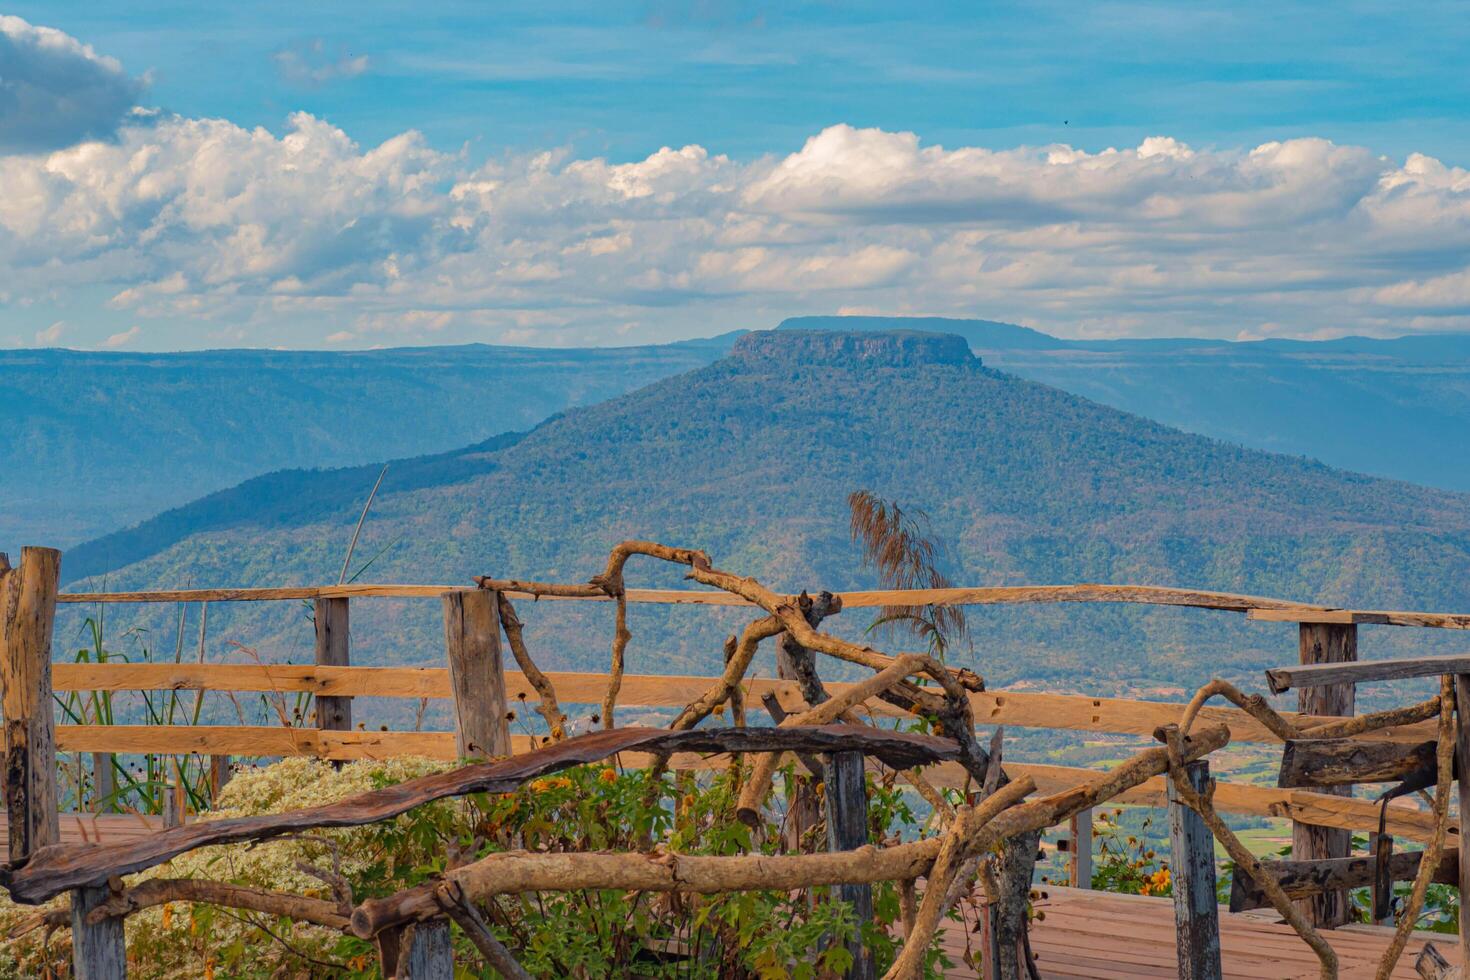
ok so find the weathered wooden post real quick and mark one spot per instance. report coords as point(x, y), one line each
point(430, 952)
point(104, 782)
point(847, 829)
point(1080, 866)
point(1325, 643)
point(98, 951)
point(27, 614)
point(333, 649)
point(476, 674)
point(219, 774)
point(1462, 750)
point(1196, 909)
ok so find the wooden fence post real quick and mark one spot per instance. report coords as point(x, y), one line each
point(1322, 643)
point(1196, 907)
point(430, 952)
point(476, 674)
point(27, 614)
point(104, 782)
point(1462, 748)
point(333, 649)
point(1080, 866)
point(847, 829)
point(98, 951)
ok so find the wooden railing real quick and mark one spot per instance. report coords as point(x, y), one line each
point(1321, 820)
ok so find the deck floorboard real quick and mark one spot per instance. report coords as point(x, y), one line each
point(1099, 936)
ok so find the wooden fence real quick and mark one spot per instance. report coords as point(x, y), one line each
point(482, 691)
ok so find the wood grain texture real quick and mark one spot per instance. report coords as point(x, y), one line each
point(1302, 879)
point(1348, 761)
point(27, 615)
point(1306, 676)
point(476, 674)
point(1196, 912)
point(987, 595)
point(1325, 645)
point(1023, 709)
point(98, 950)
point(333, 649)
point(55, 869)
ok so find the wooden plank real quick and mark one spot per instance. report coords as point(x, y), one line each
point(847, 830)
point(1300, 879)
point(333, 649)
point(27, 614)
point(1282, 679)
point(1365, 617)
point(989, 595)
point(1348, 761)
point(472, 645)
point(1325, 644)
point(98, 951)
point(1196, 914)
point(1023, 709)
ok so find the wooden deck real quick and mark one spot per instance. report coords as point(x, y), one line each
point(1102, 935)
point(89, 828)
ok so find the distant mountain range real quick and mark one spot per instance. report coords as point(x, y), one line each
point(92, 441)
point(751, 458)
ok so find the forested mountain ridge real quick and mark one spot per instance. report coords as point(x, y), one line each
point(1398, 408)
point(751, 458)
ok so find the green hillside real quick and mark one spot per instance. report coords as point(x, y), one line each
point(751, 458)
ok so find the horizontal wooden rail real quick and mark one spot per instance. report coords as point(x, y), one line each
point(1364, 617)
point(1258, 608)
point(1282, 679)
point(1303, 806)
point(1021, 709)
point(1147, 594)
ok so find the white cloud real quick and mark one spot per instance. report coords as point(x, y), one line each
point(55, 91)
point(311, 65)
point(244, 232)
point(121, 339)
point(49, 336)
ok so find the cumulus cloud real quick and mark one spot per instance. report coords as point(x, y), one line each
point(56, 91)
point(209, 222)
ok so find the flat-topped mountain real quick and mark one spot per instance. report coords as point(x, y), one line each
point(751, 458)
point(1398, 408)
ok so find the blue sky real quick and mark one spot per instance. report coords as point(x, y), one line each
point(520, 227)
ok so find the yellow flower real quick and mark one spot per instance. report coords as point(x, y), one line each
point(168, 915)
point(609, 775)
point(209, 970)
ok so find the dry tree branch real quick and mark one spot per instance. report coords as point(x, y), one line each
point(1445, 764)
point(515, 636)
point(957, 848)
point(157, 891)
point(759, 784)
point(452, 900)
point(520, 871)
point(1203, 804)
